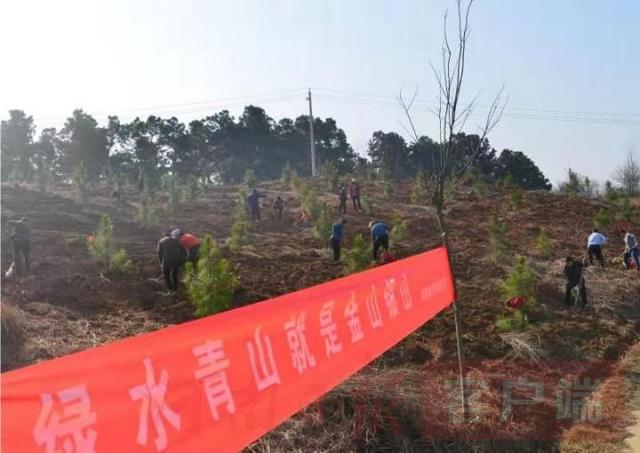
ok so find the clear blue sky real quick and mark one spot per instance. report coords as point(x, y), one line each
point(571, 68)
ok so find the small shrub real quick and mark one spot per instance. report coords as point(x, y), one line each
point(521, 282)
point(611, 194)
point(517, 199)
point(241, 210)
point(146, 213)
point(120, 263)
point(399, 230)
point(193, 188)
point(504, 183)
point(543, 243)
point(498, 241)
point(367, 204)
point(80, 182)
point(44, 174)
point(212, 283)
point(322, 222)
point(628, 210)
point(601, 220)
point(239, 235)
point(479, 187)
point(175, 195)
point(333, 178)
point(287, 173)
point(101, 247)
point(387, 189)
point(358, 256)
point(249, 179)
point(419, 189)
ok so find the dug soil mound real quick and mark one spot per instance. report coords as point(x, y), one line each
point(402, 401)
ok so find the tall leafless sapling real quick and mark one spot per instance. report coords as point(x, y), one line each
point(448, 165)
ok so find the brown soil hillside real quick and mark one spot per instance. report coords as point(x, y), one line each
point(398, 403)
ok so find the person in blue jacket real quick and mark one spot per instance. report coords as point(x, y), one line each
point(254, 203)
point(337, 231)
point(379, 237)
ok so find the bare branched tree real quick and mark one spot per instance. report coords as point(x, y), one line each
point(449, 165)
point(628, 174)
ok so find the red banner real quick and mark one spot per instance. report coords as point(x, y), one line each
point(219, 383)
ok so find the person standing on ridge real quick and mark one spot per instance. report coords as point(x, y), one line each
point(278, 206)
point(172, 255)
point(594, 246)
point(337, 231)
point(342, 195)
point(379, 237)
point(354, 193)
point(631, 247)
point(20, 234)
point(254, 204)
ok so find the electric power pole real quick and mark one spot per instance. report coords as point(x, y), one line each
point(312, 143)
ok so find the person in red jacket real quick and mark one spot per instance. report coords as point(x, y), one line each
point(190, 242)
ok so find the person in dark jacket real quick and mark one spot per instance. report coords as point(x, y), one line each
point(574, 278)
point(354, 193)
point(342, 195)
point(20, 234)
point(379, 237)
point(337, 232)
point(254, 204)
point(278, 206)
point(172, 255)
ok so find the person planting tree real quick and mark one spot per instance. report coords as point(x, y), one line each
point(573, 272)
point(172, 255)
point(595, 242)
point(190, 242)
point(337, 231)
point(379, 237)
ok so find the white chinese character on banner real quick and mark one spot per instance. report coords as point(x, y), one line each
point(301, 357)
point(72, 425)
point(374, 309)
point(405, 293)
point(573, 400)
point(154, 405)
point(268, 376)
point(523, 386)
point(329, 329)
point(353, 320)
point(390, 297)
point(213, 364)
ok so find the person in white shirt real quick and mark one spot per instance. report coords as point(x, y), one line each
point(594, 246)
point(631, 247)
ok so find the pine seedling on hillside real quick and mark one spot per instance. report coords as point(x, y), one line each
point(175, 195)
point(119, 179)
point(249, 179)
point(611, 194)
point(287, 173)
point(333, 178)
point(498, 239)
point(521, 282)
point(193, 188)
point(101, 246)
point(80, 182)
point(399, 229)
point(44, 175)
point(387, 189)
point(543, 243)
point(504, 183)
point(367, 204)
point(357, 257)
point(239, 235)
point(601, 220)
point(419, 189)
point(107, 172)
point(517, 199)
point(212, 283)
point(241, 210)
point(628, 210)
point(322, 222)
point(146, 213)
